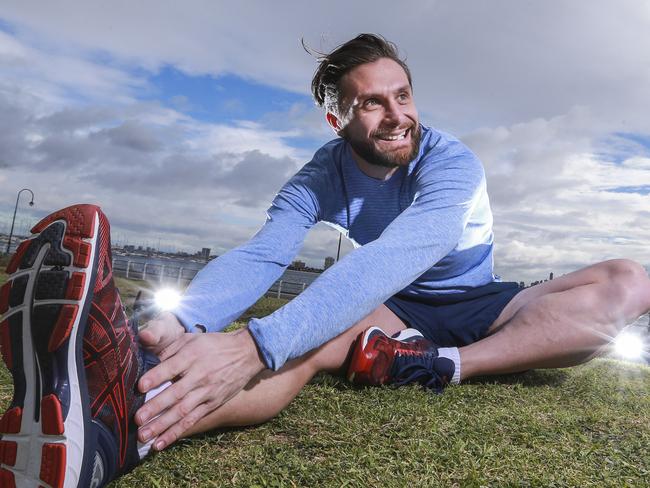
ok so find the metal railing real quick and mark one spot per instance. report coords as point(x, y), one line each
point(181, 276)
point(286, 289)
point(160, 273)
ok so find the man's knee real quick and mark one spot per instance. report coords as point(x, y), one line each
point(627, 287)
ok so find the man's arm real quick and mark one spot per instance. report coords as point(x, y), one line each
point(424, 233)
point(416, 240)
point(211, 368)
point(228, 285)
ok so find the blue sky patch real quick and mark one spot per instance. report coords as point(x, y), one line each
point(222, 99)
point(619, 146)
point(641, 189)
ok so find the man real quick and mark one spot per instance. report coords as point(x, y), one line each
point(414, 202)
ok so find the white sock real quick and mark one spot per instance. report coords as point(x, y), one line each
point(453, 354)
point(145, 448)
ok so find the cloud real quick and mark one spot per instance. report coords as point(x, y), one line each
point(550, 95)
point(551, 196)
point(148, 166)
point(474, 64)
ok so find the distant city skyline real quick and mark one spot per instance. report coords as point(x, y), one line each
point(183, 120)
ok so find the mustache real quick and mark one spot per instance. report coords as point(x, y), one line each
point(387, 132)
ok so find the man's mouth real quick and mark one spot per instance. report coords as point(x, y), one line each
point(395, 136)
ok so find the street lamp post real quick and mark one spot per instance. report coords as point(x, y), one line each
point(31, 204)
point(338, 251)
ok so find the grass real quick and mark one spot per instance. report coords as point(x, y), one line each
point(584, 426)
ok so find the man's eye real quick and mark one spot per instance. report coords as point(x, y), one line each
point(403, 97)
point(371, 102)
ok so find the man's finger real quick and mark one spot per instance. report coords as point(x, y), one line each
point(173, 395)
point(165, 371)
point(173, 347)
point(174, 415)
point(177, 429)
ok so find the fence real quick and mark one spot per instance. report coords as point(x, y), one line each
point(160, 273)
point(180, 276)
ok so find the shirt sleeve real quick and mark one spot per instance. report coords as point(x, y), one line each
point(228, 285)
point(448, 186)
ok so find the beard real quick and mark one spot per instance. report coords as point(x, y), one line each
point(386, 159)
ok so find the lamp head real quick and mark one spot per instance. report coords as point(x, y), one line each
point(31, 204)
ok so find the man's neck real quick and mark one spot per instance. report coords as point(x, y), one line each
point(373, 170)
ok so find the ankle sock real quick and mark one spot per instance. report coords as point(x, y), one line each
point(145, 447)
point(453, 354)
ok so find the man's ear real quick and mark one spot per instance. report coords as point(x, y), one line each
point(334, 122)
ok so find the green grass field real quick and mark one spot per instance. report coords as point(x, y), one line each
point(585, 426)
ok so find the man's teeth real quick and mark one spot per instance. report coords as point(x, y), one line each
point(395, 137)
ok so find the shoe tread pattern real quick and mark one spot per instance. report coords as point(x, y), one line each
point(64, 234)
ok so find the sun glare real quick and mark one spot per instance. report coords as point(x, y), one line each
point(629, 345)
point(167, 298)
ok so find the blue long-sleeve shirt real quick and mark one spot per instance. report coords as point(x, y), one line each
point(426, 230)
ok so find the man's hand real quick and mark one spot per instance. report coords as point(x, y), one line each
point(209, 369)
point(160, 332)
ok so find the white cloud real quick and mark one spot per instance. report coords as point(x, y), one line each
point(552, 197)
point(536, 89)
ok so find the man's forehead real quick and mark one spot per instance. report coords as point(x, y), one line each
point(383, 75)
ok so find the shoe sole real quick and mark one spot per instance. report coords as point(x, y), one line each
point(46, 432)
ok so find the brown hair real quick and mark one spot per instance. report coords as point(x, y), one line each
point(365, 48)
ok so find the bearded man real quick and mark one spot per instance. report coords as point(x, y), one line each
point(415, 302)
point(414, 202)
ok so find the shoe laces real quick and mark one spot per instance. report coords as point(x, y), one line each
point(417, 366)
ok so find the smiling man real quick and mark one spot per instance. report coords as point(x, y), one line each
point(414, 202)
point(415, 302)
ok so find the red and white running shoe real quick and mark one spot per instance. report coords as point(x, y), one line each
point(405, 358)
point(74, 359)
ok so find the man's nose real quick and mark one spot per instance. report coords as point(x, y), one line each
point(393, 113)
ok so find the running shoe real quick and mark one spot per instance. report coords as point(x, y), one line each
point(405, 358)
point(73, 356)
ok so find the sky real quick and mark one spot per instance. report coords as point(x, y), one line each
point(183, 119)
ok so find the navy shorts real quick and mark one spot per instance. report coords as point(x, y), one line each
point(455, 319)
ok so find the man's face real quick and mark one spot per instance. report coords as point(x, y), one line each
point(380, 120)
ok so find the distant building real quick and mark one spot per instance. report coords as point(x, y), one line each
point(205, 253)
point(298, 265)
point(129, 248)
point(329, 261)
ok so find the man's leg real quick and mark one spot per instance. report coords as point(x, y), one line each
point(562, 322)
point(271, 391)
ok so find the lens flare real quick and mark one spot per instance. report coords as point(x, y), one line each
point(167, 298)
point(628, 345)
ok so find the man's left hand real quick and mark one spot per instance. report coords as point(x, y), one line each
point(206, 370)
